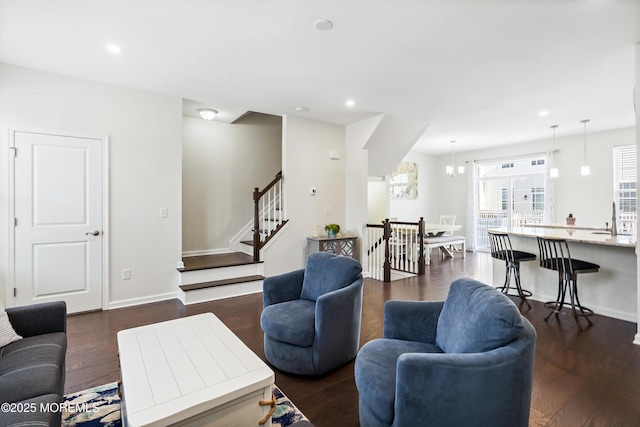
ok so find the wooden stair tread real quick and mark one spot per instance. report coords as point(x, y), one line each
point(247, 242)
point(204, 262)
point(224, 282)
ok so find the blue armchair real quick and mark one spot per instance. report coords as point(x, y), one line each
point(311, 317)
point(467, 361)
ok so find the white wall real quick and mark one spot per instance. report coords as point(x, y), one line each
point(145, 170)
point(222, 164)
point(587, 197)
point(377, 200)
point(305, 164)
point(426, 205)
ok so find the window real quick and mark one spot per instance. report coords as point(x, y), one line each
point(625, 186)
point(537, 199)
point(510, 193)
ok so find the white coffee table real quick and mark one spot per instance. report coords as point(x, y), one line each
point(191, 371)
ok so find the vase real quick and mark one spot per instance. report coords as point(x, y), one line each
point(331, 234)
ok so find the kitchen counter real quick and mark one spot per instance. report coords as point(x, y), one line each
point(612, 291)
point(590, 235)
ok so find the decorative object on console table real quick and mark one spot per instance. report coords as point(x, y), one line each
point(571, 220)
point(332, 230)
point(339, 245)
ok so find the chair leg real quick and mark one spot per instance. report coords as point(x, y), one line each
point(584, 312)
point(514, 268)
point(519, 286)
point(556, 306)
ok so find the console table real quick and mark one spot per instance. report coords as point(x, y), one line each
point(337, 245)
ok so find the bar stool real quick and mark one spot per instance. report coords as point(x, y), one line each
point(555, 255)
point(501, 249)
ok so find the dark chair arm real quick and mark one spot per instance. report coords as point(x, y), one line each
point(281, 288)
point(38, 319)
point(412, 320)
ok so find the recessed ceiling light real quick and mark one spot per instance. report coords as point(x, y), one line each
point(302, 109)
point(323, 24)
point(543, 113)
point(350, 103)
point(113, 48)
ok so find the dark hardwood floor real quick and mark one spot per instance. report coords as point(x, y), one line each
point(589, 378)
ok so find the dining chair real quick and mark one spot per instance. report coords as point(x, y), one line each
point(449, 220)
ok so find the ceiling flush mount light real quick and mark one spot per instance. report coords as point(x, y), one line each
point(350, 103)
point(207, 113)
point(553, 172)
point(543, 113)
point(451, 169)
point(584, 169)
point(323, 24)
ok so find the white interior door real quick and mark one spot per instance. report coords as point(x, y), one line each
point(59, 225)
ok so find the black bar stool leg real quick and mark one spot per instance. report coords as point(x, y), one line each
point(584, 312)
point(518, 286)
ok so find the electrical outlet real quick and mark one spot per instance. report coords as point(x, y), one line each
point(126, 274)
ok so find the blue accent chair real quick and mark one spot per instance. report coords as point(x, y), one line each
point(467, 361)
point(311, 317)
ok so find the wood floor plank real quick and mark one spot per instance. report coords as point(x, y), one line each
point(588, 378)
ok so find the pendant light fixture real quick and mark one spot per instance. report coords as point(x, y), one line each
point(450, 169)
point(585, 170)
point(553, 172)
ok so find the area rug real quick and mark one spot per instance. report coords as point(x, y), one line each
point(100, 407)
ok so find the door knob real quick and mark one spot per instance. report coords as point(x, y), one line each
point(92, 233)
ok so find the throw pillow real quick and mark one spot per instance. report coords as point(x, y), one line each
point(7, 334)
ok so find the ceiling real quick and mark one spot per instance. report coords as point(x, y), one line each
point(476, 71)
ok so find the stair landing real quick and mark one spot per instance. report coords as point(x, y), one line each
point(218, 276)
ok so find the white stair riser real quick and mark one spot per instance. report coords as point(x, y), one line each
point(222, 273)
point(219, 292)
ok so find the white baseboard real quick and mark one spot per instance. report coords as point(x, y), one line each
point(602, 311)
point(187, 254)
point(142, 300)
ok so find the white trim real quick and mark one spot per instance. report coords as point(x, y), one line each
point(11, 269)
point(142, 300)
point(186, 254)
point(637, 339)
point(602, 311)
point(106, 236)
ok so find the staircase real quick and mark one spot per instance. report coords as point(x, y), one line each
point(219, 276)
point(212, 277)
